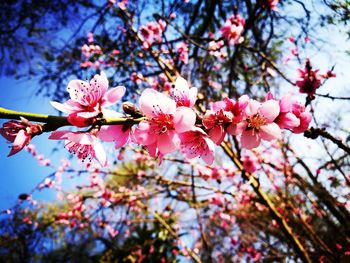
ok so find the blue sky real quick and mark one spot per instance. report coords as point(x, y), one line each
point(21, 172)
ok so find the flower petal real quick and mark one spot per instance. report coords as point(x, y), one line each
point(168, 142)
point(20, 141)
point(270, 110)
point(217, 134)
point(143, 134)
point(79, 91)
point(59, 135)
point(270, 131)
point(288, 121)
point(252, 107)
point(113, 95)
point(250, 139)
point(184, 119)
point(100, 154)
point(61, 106)
point(153, 103)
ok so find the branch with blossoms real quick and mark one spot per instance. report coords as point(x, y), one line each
point(165, 123)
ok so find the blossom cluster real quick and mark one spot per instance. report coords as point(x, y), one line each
point(232, 29)
point(152, 32)
point(310, 80)
point(169, 123)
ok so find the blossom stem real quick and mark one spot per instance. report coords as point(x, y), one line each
point(54, 122)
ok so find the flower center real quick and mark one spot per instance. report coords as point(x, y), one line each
point(255, 122)
point(81, 150)
point(164, 123)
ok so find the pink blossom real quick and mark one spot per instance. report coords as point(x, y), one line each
point(151, 32)
point(309, 80)
point(197, 143)
point(122, 4)
point(119, 134)
point(182, 94)
point(88, 99)
point(90, 37)
point(223, 116)
point(136, 78)
point(216, 121)
point(233, 29)
point(303, 116)
point(19, 133)
point(83, 144)
point(250, 163)
point(272, 4)
point(183, 52)
point(214, 48)
point(159, 133)
point(292, 115)
point(258, 123)
point(287, 119)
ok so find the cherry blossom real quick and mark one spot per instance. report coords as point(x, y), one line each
point(83, 144)
point(19, 133)
point(292, 114)
point(233, 29)
point(183, 52)
point(303, 116)
point(250, 163)
point(287, 119)
point(119, 134)
point(272, 4)
point(258, 123)
point(216, 121)
point(87, 100)
point(197, 143)
point(182, 94)
point(309, 79)
point(159, 133)
point(223, 116)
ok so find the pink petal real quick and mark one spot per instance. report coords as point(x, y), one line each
point(153, 103)
point(270, 110)
point(20, 141)
point(305, 119)
point(79, 121)
point(208, 158)
point(143, 134)
point(218, 105)
point(288, 121)
point(61, 107)
point(250, 139)
point(237, 129)
point(99, 84)
point(217, 134)
point(79, 91)
point(181, 87)
point(286, 104)
point(113, 95)
point(81, 138)
point(184, 119)
point(59, 135)
point(153, 149)
point(100, 154)
point(87, 114)
point(270, 131)
point(168, 142)
point(115, 133)
point(252, 107)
